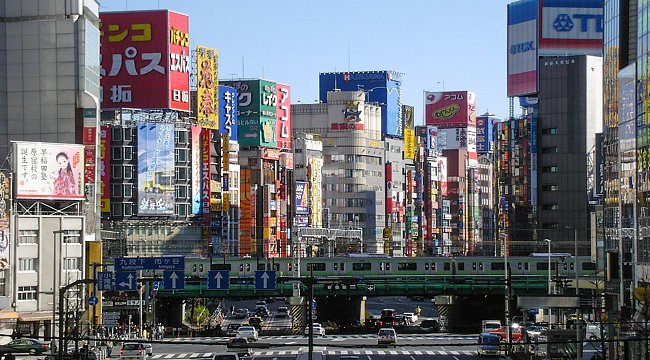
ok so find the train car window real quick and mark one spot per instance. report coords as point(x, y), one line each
point(426, 266)
point(222, 267)
point(194, 268)
point(433, 266)
point(474, 266)
point(572, 266)
point(360, 266)
point(336, 266)
point(241, 267)
point(525, 266)
point(480, 266)
point(566, 266)
point(387, 266)
point(544, 266)
point(316, 266)
point(461, 266)
point(519, 266)
point(588, 266)
point(497, 265)
point(447, 266)
point(408, 267)
point(200, 267)
point(261, 266)
point(381, 266)
point(248, 267)
point(290, 267)
point(342, 266)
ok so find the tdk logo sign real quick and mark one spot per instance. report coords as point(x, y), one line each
point(522, 47)
point(566, 22)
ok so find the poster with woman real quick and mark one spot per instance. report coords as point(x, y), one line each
point(49, 171)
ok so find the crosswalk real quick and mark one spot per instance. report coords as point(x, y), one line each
point(331, 337)
point(325, 352)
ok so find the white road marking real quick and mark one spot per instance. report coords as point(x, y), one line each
point(157, 356)
point(169, 356)
point(417, 352)
point(195, 355)
point(182, 356)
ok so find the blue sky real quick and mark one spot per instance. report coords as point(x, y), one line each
point(461, 43)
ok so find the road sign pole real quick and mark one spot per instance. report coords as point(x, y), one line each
point(140, 293)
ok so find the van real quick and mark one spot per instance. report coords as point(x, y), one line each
point(132, 350)
point(387, 336)
point(490, 325)
point(489, 344)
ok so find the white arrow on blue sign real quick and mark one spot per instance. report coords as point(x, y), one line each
point(93, 300)
point(126, 281)
point(265, 280)
point(174, 279)
point(218, 280)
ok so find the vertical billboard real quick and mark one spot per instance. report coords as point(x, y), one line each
point(450, 109)
point(315, 171)
point(442, 166)
point(302, 197)
point(105, 167)
point(522, 47)
point(409, 143)
point(49, 171)
point(382, 87)
point(485, 134)
point(156, 193)
point(257, 112)
point(571, 27)
point(207, 88)
point(196, 169)
point(284, 117)
point(206, 176)
point(145, 60)
point(5, 207)
point(228, 109)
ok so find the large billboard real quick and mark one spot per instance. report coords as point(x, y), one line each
point(571, 27)
point(283, 137)
point(207, 88)
point(315, 176)
point(5, 208)
point(522, 47)
point(485, 134)
point(382, 87)
point(49, 171)
point(156, 191)
point(105, 167)
point(302, 198)
point(450, 109)
point(257, 112)
point(145, 60)
point(196, 169)
point(459, 138)
point(228, 109)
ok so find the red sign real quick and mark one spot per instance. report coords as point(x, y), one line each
point(89, 136)
point(205, 174)
point(105, 169)
point(145, 60)
point(284, 117)
point(450, 109)
point(270, 154)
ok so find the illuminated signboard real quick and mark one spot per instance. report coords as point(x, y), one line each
point(283, 136)
point(156, 185)
point(228, 109)
point(450, 109)
point(207, 74)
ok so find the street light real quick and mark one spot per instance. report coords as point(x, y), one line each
point(548, 242)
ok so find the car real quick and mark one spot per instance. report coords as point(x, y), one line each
point(231, 330)
point(533, 331)
point(241, 346)
point(319, 330)
point(387, 336)
point(133, 350)
point(489, 344)
point(430, 326)
point(248, 332)
point(241, 313)
point(225, 356)
point(25, 346)
point(148, 348)
point(256, 322)
point(282, 311)
point(262, 311)
point(411, 316)
point(261, 303)
point(502, 332)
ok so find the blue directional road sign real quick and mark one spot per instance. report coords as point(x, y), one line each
point(105, 280)
point(152, 263)
point(218, 280)
point(174, 279)
point(265, 280)
point(93, 300)
point(126, 281)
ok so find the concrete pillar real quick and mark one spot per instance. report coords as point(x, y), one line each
point(298, 311)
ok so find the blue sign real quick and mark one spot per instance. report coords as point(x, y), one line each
point(228, 109)
point(301, 195)
point(104, 280)
point(126, 281)
point(265, 280)
point(174, 280)
point(93, 300)
point(218, 280)
point(151, 263)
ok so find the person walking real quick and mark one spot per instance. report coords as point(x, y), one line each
point(109, 347)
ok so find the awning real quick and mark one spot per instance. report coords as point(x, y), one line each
point(35, 316)
point(8, 315)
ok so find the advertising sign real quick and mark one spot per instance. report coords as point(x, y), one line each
point(571, 27)
point(105, 169)
point(283, 136)
point(484, 134)
point(315, 171)
point(257, 112)
point(49, 171)
point(409, 143)
point(5, 196)
point(522, 47)
point(196, 169)
point(145, 60)
point(432, 141)
point(302, 196)
point(207, 88)
point(450, 109)
point(442, 162)
point(459, 138)
point(156, 169)
point(205, 174)
point(352, 118)
point(228, 106)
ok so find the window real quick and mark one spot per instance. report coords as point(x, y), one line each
point(128, 209)
point(117, 153)
point(316, 266)
point(181, 155)
point(72, 237)
point(116, 171)
point(461, 266)
point(407, 266)
point(549, 207)
point(117, 190)
point(544, 266)
point(498, 266)
point(549, 169)
point(116, 209)
point(181, 210)
point(549, 131)
point(361, 266)
point(128, 134)
point(117, 134)
point(550, 188)
point(28, 237)
point(2, 282)
point(128, 153)
point(181, 137)
point(27, 292)
point(181, 173)
point(128, 172)
point(181, 192)
point(550, 149)
point(26, 264)
point(71, 264)
point(128, 190)
point(446, 266)
point(588, 266)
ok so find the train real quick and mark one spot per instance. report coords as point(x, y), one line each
point(366, 265)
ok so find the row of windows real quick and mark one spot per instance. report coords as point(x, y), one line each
point(27, 292)
point(126, 153)
point(130, 209)
point(31, 237)
point(356, 188)
point(353, 202)
point(31, 264)
point(118, 134)
point(127, 172)
point(127, 191)
point(351, 173)
point(353, 158)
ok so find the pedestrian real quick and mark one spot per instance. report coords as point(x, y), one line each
point(418, 310)
point(109, 347)
point(232, 309)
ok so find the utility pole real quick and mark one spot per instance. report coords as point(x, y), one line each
point(310, 309)
point(62, 313)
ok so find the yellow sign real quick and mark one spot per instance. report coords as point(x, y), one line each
point(409, 144)
point(226, 201)
point(207, 101)
point(642, 294)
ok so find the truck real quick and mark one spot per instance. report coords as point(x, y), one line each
point(490, 325)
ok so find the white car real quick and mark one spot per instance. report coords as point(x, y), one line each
point(319, 330)
point(248, 332)
point(412, 318)
point(387, 336)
